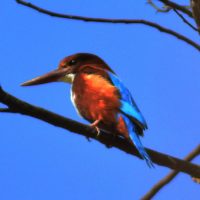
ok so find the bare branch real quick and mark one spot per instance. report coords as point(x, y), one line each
point(178, 7)
point(185, 21)
point(158, 186)
point(163, 9)
point(6, 110)
point(115, 21)
point(104, 138)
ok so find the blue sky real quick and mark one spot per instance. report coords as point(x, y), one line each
point(39, 161)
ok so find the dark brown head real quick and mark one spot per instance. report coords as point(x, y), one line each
point(69, 67)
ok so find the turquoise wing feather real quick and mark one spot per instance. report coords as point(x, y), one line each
point(128, 105)
point(132, 117)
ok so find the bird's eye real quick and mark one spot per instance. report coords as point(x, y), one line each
point(72, 62)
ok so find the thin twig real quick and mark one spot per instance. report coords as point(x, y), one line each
point(158, 186)
point(116, 21)
point(185, 21)
point(178, 7)
point(164, 9)
point(104, 138)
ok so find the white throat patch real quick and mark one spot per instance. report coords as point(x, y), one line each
point(69, 78)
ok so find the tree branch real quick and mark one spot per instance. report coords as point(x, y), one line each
point(158, 186)
point(185, 21)
point(105, 138)
point(178, 7)
point(163, 9)
point(115, 21)
point(195, 4)
point(7, 110)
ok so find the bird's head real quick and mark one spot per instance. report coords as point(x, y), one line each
point(68, 68)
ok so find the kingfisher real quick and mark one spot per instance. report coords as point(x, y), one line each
point(100, 97)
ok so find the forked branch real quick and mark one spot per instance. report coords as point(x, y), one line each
point(167, 179)
point(177, 7)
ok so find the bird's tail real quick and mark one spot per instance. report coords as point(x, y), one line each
point(136, 141)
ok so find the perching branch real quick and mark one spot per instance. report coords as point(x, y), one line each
point(115, 21)
point(158, 186)
point(18, 106)
point(7, 110)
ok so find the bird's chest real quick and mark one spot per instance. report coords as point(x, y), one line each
point(94, 96)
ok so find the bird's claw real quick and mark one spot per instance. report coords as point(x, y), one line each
point(88, 139)
point(109, 146)
point(94, 125)
point(98, 131)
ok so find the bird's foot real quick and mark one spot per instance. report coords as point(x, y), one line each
point(94, 125)
point(109, 146)
point(88, 139)
point(98, 131)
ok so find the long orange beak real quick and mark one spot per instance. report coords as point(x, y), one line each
point(52, 76)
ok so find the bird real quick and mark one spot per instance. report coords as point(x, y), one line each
point(100, 97)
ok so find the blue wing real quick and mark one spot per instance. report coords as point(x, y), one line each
point(132, 117)
point(128, 106)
